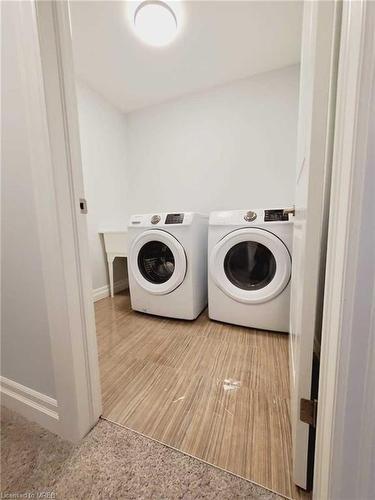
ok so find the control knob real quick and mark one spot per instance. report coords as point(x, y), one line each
point(250, 216)
point(155, 219)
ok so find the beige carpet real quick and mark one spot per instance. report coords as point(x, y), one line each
point(111, 462)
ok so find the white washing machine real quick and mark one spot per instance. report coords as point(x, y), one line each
point(250, 268)
point(167, 264)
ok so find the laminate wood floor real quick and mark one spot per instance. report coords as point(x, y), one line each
point(215, 391)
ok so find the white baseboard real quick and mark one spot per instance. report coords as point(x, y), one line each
point(103, 291)
point(29, 403)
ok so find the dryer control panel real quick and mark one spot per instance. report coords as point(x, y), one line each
point(174, 219)
point(275, 215)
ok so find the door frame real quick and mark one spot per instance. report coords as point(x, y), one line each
point(319, 65)
point(347, 187)
point(346, 431)
point(64, 238)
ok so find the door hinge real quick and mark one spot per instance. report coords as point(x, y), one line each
point(308, 411)
point(83, 205)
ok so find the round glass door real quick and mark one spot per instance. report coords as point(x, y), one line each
point(250, 265)
point(156, 262)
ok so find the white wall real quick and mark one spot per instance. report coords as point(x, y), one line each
point(231, 147)
point(25, 343)
point(103, 142)
point(227, 148)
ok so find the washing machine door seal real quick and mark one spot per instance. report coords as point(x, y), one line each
point(250, 265)
point(158, 261)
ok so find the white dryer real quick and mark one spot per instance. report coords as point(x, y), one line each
point(167, 264)
point(250, 268)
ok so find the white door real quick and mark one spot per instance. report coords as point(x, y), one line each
point(157, 262)
point(258, 249)
point(321, 26)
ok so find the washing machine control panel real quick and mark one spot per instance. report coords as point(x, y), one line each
point(174, 219)
point(275, 215)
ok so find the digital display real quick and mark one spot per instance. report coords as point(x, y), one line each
point(174, 219)
point(275, 215)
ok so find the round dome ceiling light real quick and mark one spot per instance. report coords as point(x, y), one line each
point(155, 22)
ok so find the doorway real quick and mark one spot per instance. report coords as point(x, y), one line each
point(75, 362)
point(190, 127)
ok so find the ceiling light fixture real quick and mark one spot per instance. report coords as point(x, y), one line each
point(155, 22)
